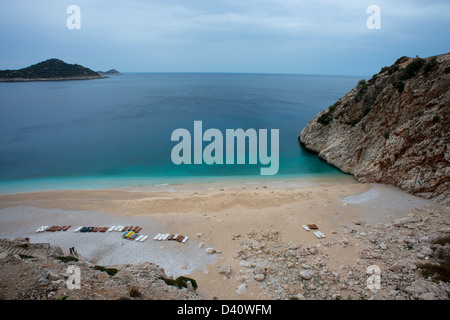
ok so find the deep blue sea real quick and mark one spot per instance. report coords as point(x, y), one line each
point(116, 132)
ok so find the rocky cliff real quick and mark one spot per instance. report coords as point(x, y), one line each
point(393, 128)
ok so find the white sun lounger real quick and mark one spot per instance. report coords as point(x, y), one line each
point(111, 228)
point(305, 227)
point(144, 238)
point(185, 239)
point(139, 237)
point(78, 229)
point(157, 236)
point(319, 234)
point(165, 236)
point(42, 228)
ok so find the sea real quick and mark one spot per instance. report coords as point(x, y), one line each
point(116, 132)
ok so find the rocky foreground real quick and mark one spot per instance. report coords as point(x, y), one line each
point(406, 253)
point(393, 128)
point(411, 254)
point(33, 271)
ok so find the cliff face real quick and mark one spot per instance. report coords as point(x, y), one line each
point(392, 129)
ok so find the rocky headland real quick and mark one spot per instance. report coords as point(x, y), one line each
point(393, 128)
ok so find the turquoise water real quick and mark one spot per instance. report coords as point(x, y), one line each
point(116, 132)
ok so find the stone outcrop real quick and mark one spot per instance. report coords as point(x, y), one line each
point(33, 271)
point(393, 128)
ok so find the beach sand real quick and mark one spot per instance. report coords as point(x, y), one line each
point(211, 215)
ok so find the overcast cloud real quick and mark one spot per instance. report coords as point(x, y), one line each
point(273, 36)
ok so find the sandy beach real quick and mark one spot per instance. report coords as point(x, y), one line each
point(213, 216)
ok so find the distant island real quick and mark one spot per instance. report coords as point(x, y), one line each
point(110, 72)
point(49, 70)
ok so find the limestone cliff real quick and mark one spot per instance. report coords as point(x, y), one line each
point(393, 128)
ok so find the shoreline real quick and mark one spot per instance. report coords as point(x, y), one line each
point(169, 184)
point(223, 217)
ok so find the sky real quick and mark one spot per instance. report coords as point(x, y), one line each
point(250, 36)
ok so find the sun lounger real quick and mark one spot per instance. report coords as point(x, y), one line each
point(180, 238)
point(138, 230)
point(103, 229)
point(78, 229)
point(157, 236)
point(143, 238)
point(160, 237)
point(139, 237)
point(111, 228)
point(185, 239)
point(319, 234)
point(66, 228)
point(130, 228)
point(312, 226)
point(165, 236)
point(40, 229)
point(305, 227)
point(134, 235)
point(175, 237)
point(170, 237)
point(135, 228)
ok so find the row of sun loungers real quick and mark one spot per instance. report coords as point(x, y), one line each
point(52, 228)
point(131, 235)
point(317, 233)
point(167, 236)
point(136, 229)
point(91, 229)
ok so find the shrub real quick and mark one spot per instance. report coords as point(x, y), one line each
point(180, 282)
point(326, 118)
point(386, 135)
point(67, 258)
point(401, 60)
point(384, 69)
point(400, 85)
point(431, 65)
point(109, 271)
point(412, 69)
